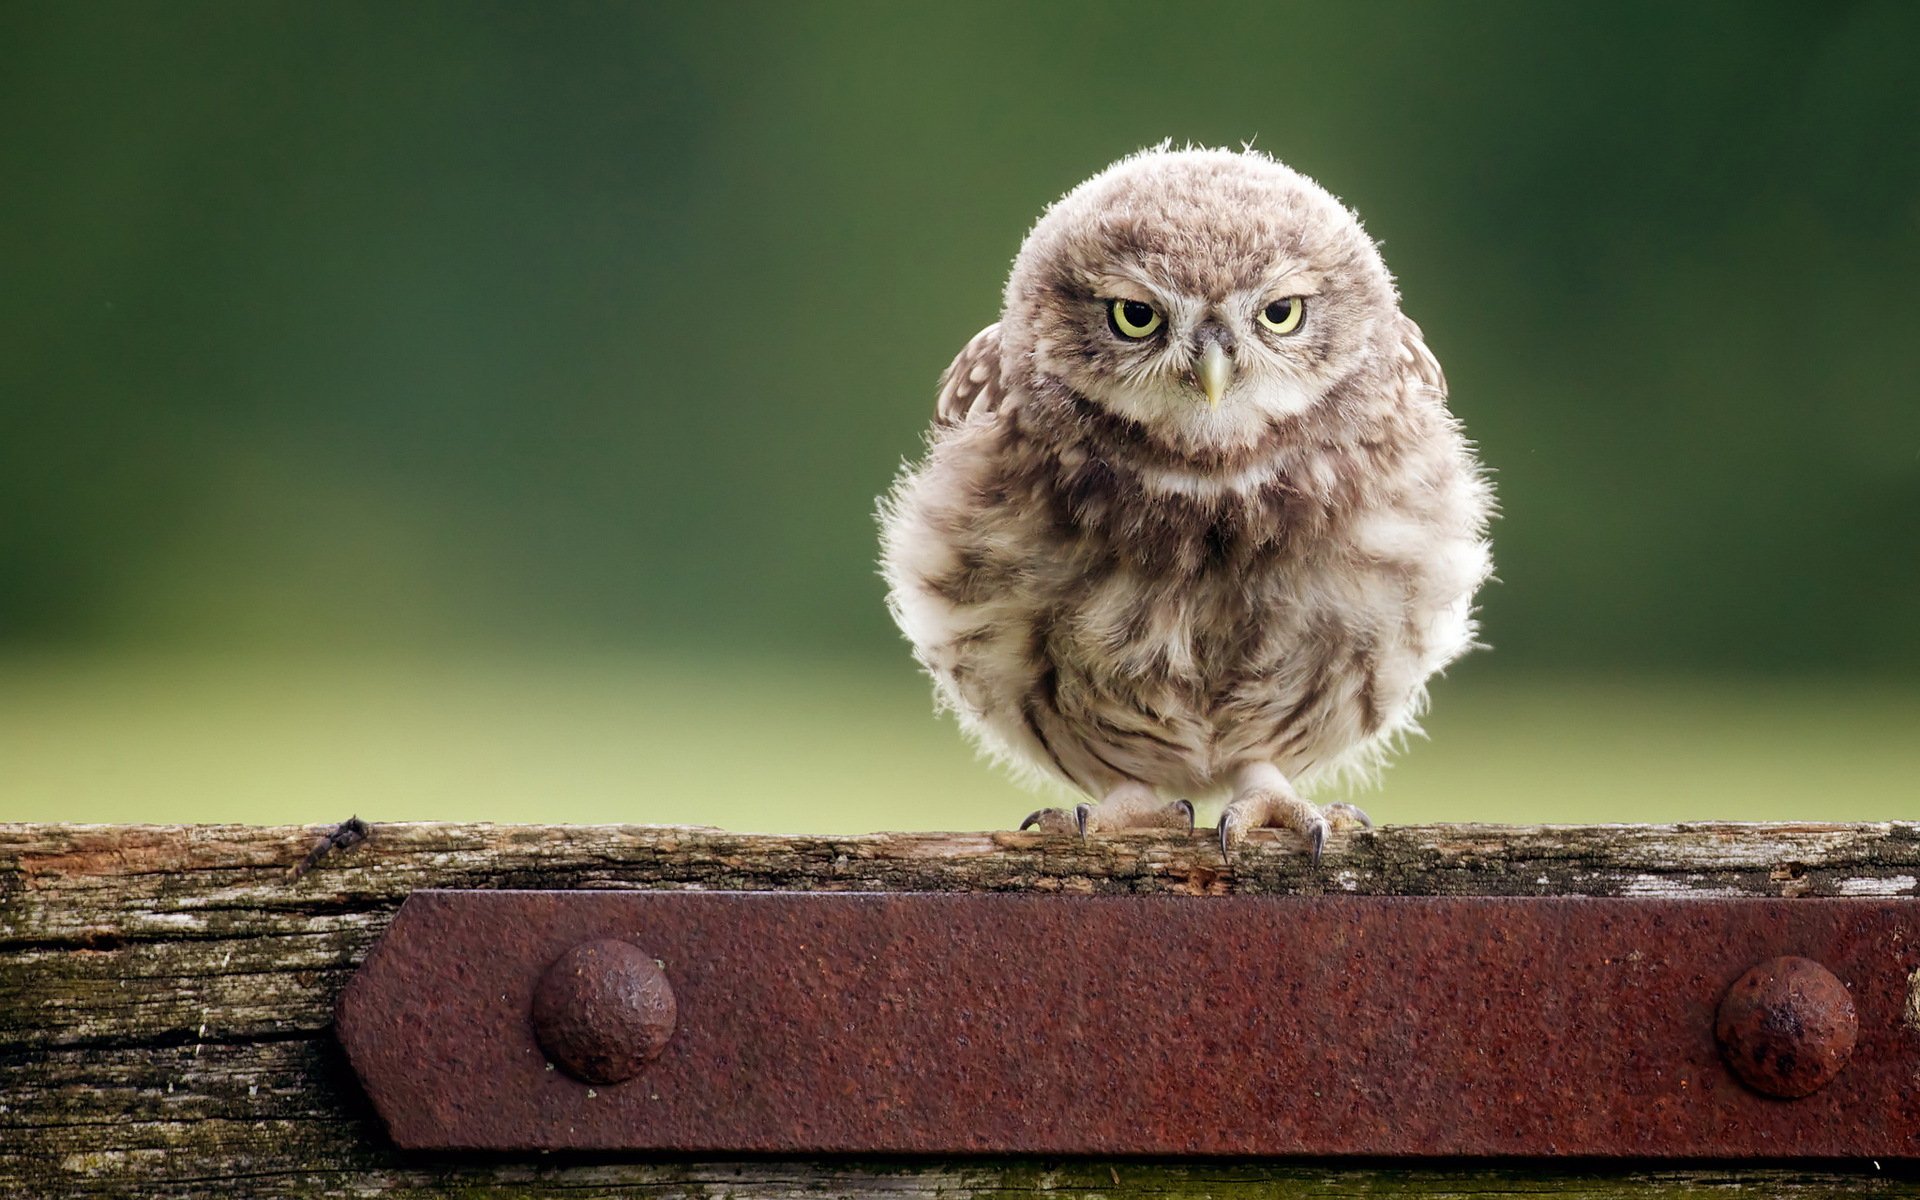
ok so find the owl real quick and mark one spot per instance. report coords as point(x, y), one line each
point(1194, 520)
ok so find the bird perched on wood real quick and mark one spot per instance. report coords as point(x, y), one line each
point(1194, 518)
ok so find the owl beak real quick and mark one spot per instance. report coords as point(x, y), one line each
point(1215, 372)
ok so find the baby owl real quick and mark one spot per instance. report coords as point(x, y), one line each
point(1194, 518)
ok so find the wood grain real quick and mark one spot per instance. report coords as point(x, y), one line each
point(165, 992)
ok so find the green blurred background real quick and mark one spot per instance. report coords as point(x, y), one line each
point(476, 410)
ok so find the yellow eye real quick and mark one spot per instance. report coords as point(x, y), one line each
point(1283, 316)
point(1132, 318)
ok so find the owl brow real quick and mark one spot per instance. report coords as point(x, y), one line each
point(1105, 288)
point(1295, 280)
point(1252, 300)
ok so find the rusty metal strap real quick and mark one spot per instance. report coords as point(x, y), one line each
point(1018, 1024)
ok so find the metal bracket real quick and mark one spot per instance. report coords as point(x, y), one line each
point(1237, 1025)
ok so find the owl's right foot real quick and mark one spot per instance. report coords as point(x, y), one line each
point(1265, 799)
point(1129, 806)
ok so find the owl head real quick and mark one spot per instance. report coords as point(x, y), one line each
point(1202, 294)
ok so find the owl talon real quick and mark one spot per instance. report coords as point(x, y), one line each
point(1266, 799)
point(1186, 806)
point(1347, 816)
point(1052, 820)
point(1112, 815)
point(1132, 806)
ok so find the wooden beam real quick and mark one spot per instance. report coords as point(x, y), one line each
point(166, 991)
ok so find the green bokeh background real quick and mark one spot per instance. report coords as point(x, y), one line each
point(476, 410)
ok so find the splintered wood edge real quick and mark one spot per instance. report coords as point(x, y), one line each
point(1711, 859)
point(166, 991)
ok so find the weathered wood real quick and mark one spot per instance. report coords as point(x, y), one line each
point(165, 992)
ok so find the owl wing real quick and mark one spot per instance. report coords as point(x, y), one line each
point(971, 386)
point(1421, 365)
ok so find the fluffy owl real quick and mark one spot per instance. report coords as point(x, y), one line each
point(1194, 519)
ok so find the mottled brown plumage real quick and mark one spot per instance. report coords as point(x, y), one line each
point(1224, 554)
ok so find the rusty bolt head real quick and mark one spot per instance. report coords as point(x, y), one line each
point(1787, 1027)
point(602, 1010)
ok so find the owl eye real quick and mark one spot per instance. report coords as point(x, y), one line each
point(1132, 319)
point(1283, 316)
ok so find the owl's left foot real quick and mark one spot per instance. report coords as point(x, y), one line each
point(1129, 806)
point(1265, 799)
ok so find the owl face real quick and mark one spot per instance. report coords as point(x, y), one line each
point(1203, 294)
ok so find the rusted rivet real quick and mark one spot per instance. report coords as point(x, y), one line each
point(1787, 1027)
point(602, 1010)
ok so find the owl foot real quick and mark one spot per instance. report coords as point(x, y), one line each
point(1347, 816)
point(1129, 806)
point(1265, 799)
point(1053, 820)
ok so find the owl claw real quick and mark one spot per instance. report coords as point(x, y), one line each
point(1316, 835)
point(1267, 800)
point(1347, 816)
point(1053, 820)
point(1113, 815)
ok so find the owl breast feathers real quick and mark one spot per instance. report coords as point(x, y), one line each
point(1194, 516)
